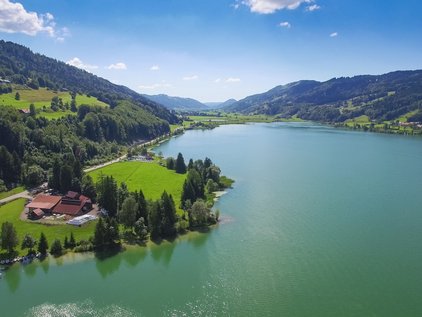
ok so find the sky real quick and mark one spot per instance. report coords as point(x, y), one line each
point(213, 50)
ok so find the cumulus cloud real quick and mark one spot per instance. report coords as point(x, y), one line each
point(334, 34)
point(313, 7)
point(117, 66)
point(232, 80)
point(285, 25)
point(163, 84)
point(15, 19)
point(271, 6)
point(78, 63)
point(193, 77)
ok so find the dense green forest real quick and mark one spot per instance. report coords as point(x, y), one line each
point(382, 98)
point(30, 144)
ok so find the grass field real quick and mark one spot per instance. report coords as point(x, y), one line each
point(152, 178)
point(12, 192)
point(10, 212)
point(42, 97)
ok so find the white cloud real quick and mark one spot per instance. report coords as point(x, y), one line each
point(163, 84)
point(155, 68)
point(15, 19)
point(313, 7)
point(118, 66)
point(193, 77)
point(334, 34)
point(217, 80)
point(78, 63)
point(232, 80)
point(285, 25)
point(271, 6)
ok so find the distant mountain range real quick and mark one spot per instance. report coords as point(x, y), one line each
point(177, 103)
point(219, 105)
point(382, 97)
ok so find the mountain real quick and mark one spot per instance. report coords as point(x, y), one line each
point(219, 105)
point(380, 97)
point(177, 103)
point(21, 66)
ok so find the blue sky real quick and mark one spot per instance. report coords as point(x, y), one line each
point(219, 49)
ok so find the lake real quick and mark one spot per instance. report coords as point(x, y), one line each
point(320, 222)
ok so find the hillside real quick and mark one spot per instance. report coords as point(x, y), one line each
point(219, 105)
point(383, 97)
point(21, 66)
point(177, 103)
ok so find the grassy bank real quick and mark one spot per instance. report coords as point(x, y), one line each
point(14, 191)
point(11, 212)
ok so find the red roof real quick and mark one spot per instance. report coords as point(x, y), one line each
point(44, 202)
point(38, 212)
point(69, 207)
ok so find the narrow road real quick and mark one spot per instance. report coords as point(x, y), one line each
point(24, 194)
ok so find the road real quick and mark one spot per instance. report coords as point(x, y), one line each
point(24, 194)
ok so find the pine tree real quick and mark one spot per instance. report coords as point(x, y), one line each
point(42, 244)
point(72, 242)
point(180, 165)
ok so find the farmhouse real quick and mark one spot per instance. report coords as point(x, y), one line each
point(73, 204)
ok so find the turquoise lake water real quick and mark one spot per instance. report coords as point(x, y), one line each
point(320, 222)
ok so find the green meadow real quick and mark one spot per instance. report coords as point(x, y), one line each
point(152, 178)
point(11, 212)
point(42, 97)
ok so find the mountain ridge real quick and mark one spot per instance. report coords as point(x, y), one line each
point(380, 97)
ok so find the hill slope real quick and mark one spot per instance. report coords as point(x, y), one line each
point(219, 105)
point(177, 103)
point(20, 65)
point(383, 97)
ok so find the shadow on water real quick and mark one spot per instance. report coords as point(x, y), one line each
point(163, 252)
point(108, 261)
point(13, 278)
point(30, 269)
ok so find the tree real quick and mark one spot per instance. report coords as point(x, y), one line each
point(180, 165)
point(9, 237)
point(99, 234)
point(127, 215)
point(73, 107)
point(66, 243)
point(32, 110)
point(170, 164)
point(88, 187)
point(42, 244)
point(56, 248)
point(141, 229)
point(168, 220)
point(122, 194)
point(107, 194)
point(72, 242)
point(199, 214)
point(54, 181)
point(28, 242)
point(17, 96)
point(66, 176)
point(34, 175)
point(142, 206)
point(154, 219)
